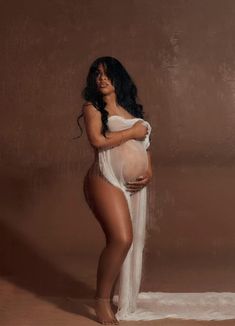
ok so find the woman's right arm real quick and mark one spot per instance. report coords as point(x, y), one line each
point(93, 124)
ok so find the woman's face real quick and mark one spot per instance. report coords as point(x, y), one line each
point(103, 83)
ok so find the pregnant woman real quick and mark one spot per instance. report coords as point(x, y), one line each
point(115, 183)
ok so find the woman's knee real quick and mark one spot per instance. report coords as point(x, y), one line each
point(123, 242)
point(127, 242)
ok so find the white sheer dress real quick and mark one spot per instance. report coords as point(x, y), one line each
point(119, 164)
point(126, 162)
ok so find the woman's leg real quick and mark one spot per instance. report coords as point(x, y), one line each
point(110, 207)
point(114, 287)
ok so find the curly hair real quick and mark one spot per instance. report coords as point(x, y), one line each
point(125, 89)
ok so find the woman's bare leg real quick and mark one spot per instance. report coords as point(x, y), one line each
point(113, 288)
point(110, 207)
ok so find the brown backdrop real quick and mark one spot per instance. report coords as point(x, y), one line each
point(181, 56)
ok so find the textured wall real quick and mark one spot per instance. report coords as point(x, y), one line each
point(181, 56)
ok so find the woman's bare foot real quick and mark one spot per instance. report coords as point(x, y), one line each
point(104, 311)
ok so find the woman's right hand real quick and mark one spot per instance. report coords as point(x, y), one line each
point(139, 130)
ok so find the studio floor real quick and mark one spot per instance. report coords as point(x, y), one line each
point(38, 299)
point(19, 307)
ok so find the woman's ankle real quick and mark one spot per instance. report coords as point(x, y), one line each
point(102, 299)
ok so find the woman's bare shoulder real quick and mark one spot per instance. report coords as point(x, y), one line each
point(89, 109)
point(89, 105)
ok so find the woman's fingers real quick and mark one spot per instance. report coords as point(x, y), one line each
point(142, 181)
point(134, 186)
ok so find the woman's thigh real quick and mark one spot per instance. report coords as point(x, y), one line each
point(109, 205)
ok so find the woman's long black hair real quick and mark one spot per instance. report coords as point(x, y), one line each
point(125, 89)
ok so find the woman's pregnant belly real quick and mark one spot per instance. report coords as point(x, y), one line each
point(129, 160)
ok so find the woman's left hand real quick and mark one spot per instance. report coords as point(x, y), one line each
point(141, 182)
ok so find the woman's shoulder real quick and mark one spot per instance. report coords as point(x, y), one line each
point(89, 104)
point(88, 109)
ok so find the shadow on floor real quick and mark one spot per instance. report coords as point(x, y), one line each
point(24, 267)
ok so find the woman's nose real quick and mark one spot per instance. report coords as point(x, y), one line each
point(103, 77)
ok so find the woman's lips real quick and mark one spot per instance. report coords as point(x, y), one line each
point(103, 85)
